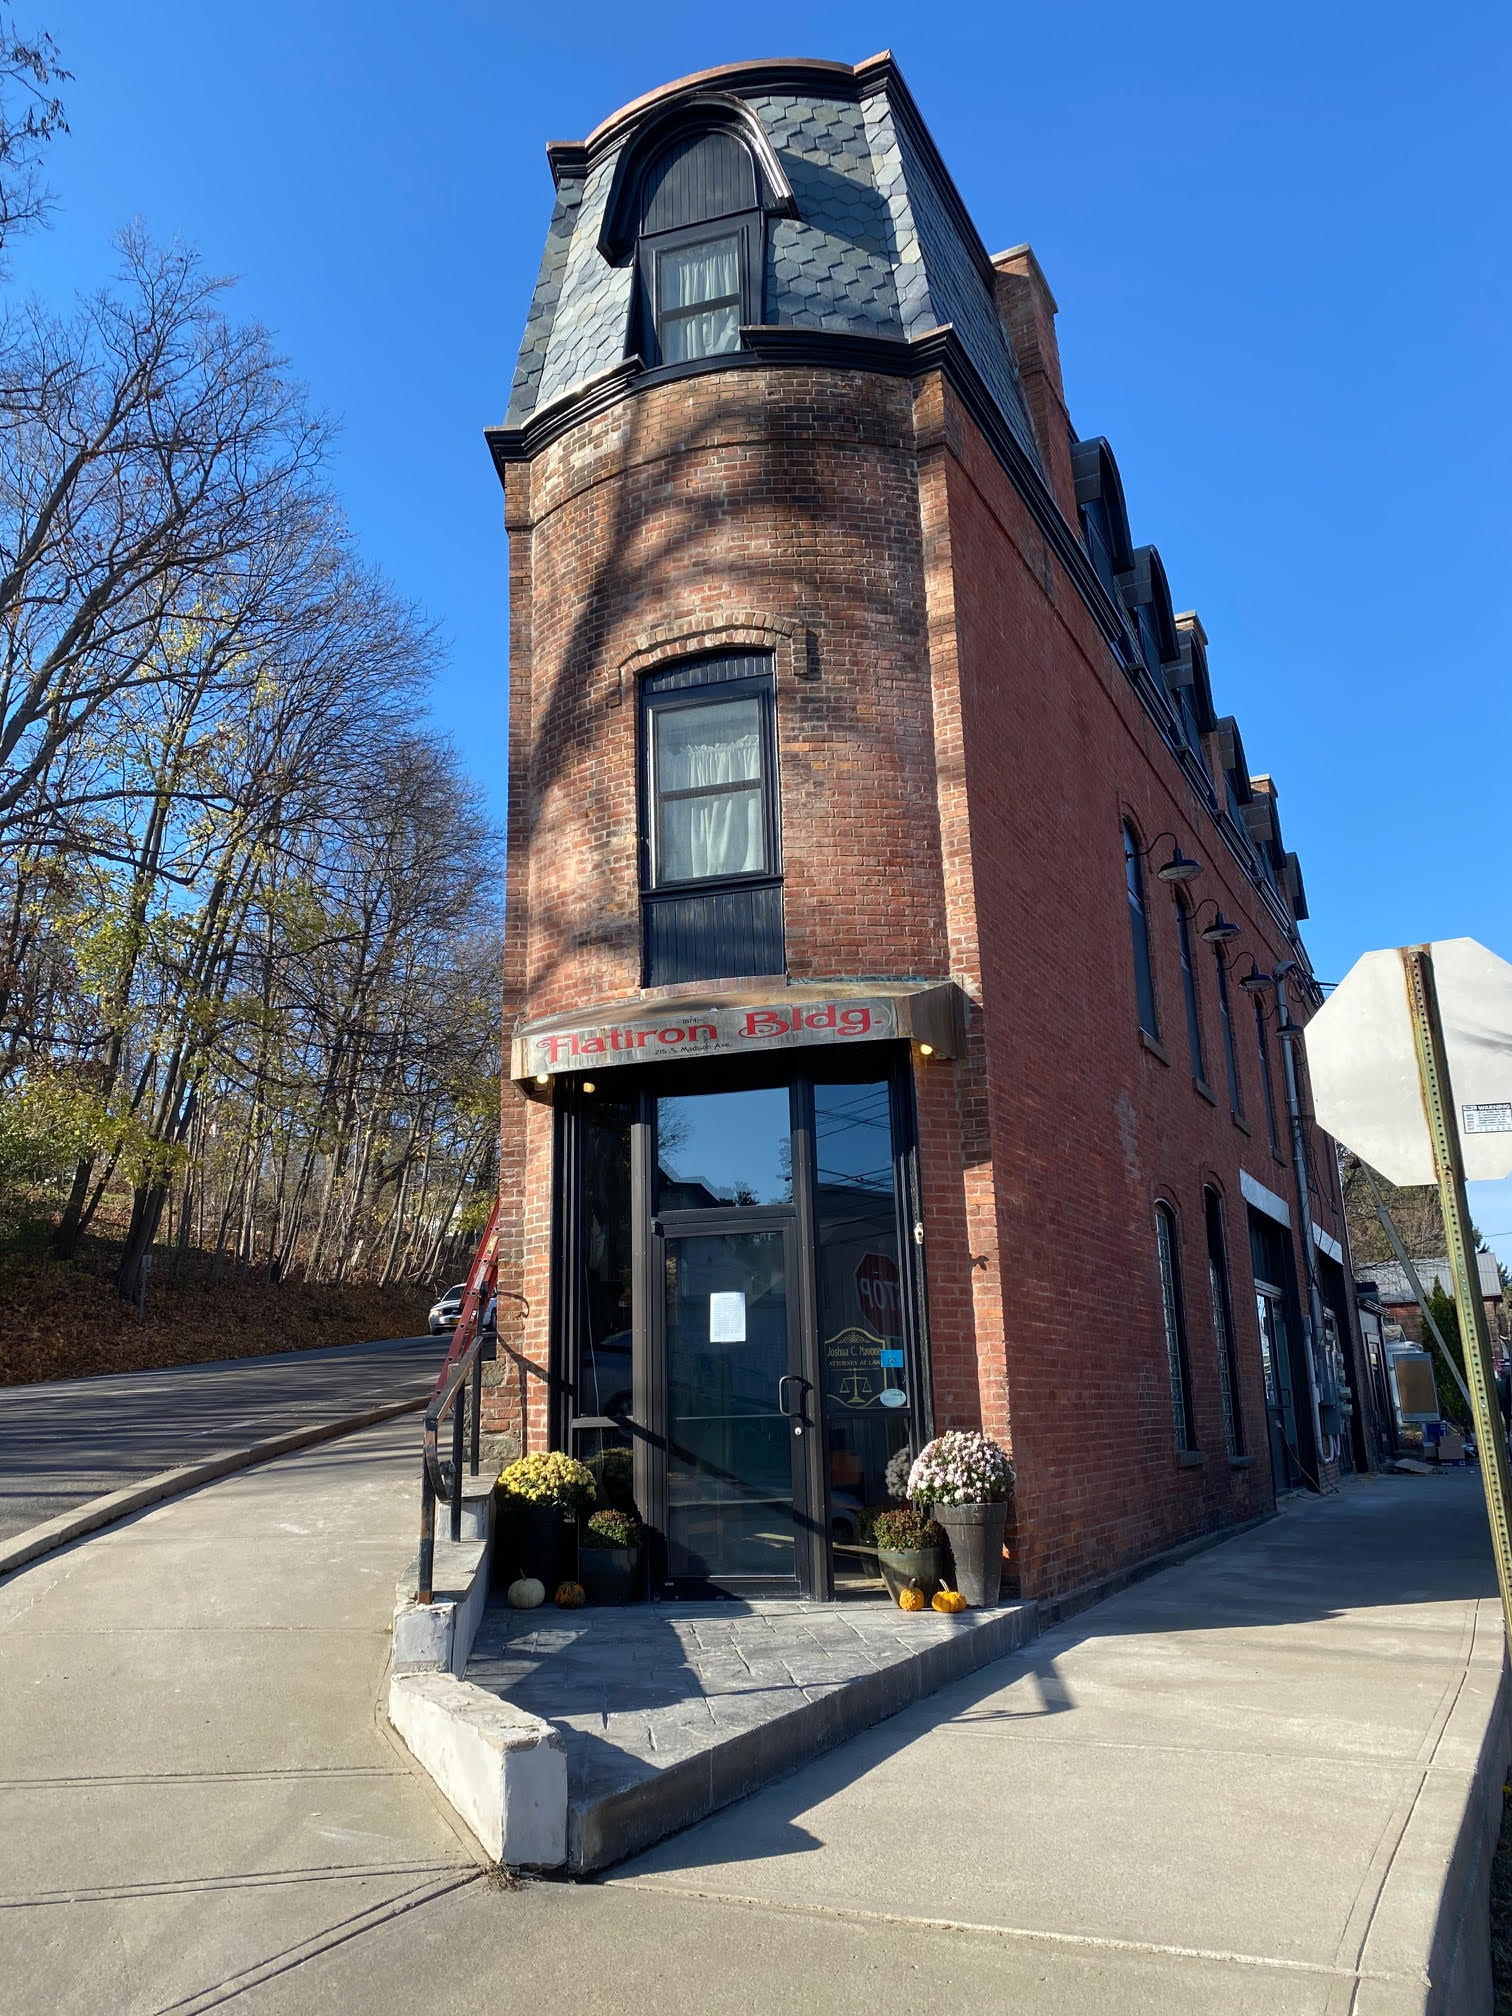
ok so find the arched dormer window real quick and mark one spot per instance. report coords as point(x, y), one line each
point(1100, 507)
point(699, 247)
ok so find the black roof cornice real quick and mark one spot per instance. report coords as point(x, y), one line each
point(811, 77)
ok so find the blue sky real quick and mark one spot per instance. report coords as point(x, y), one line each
point(1277, 237)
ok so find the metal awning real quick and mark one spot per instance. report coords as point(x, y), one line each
point(744, 1022)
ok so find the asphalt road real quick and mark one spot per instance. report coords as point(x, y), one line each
point(71, 1440)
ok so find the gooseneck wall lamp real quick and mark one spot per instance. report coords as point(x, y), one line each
point(1257, 981)
point(1180, 867)
point(1220, 930)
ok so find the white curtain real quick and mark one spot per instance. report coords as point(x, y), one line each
point(692, 275)
point(717, 832)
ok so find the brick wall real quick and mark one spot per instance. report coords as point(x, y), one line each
point(957, 751)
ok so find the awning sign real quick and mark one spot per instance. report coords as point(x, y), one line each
point(710, 1032)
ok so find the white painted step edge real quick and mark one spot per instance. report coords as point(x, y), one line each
point(503, 1771)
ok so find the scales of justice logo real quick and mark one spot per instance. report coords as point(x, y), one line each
point(865, 1368)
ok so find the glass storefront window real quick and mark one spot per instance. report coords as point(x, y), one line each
point(603, 1382)
point(861, 1331)
point(720, 1148)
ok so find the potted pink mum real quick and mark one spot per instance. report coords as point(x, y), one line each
point(966, 1481)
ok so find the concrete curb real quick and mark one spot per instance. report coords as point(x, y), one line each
point(1429, 1948)
point(37, 1541)
point(503, 1771)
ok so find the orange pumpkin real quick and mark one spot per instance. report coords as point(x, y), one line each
point(911, 1598)
point(949, 1602)
point(570, 1596)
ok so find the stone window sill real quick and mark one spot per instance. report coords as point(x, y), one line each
point(1190, 1459)
point(1241, 1123)
point(1241, 1462)
point(1155, 1048)
point(1204, 1092)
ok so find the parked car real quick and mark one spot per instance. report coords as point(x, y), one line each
point(444, 1314)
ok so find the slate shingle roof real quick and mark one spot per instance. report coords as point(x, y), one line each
point(876, 249)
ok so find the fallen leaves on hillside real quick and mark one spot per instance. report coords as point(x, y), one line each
point(62, 1320)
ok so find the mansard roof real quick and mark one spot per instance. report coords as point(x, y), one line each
point(866, 233)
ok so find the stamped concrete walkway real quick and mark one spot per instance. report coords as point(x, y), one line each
point(670, 1710)
point(1235, 1788)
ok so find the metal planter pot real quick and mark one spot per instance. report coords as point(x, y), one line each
point(609, 1574)
point(902, 1565)
point(538, 1540)
point(976, 1541)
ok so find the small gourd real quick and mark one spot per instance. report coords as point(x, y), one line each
point(911, 1598)
point(949, 1602)
point(570, 1596)
point(525, 1593)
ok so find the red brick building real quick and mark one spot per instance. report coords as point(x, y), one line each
point(882, 889)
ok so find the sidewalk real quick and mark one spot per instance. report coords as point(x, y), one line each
point(1233, 1788)
point(195, 1788)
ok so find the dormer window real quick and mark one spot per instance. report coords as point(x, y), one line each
point(698, 298)
point(699, 247)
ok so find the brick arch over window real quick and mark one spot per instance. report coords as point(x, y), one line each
point(794, 649)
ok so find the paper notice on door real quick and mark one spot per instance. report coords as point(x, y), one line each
point(727, 1322)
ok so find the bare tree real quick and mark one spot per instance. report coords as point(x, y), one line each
point(155, 464)
point(31, 114)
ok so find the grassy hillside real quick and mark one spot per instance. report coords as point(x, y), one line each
point(61, 1320)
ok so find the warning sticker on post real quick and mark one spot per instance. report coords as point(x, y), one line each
point(727, 1317)
point(1495, 1119)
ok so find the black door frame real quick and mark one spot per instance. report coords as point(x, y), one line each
point(800, 1405)
point(799, 1069)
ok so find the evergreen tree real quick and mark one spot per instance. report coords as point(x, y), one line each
point(1450, 1399)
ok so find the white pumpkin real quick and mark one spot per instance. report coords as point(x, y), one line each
point(526, 1593)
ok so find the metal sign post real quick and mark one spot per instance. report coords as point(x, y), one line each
point(1438, 1107)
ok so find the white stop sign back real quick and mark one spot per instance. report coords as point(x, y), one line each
point(1363, 1062)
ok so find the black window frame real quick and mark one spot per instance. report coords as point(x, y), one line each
point(1267, 1082)
point(715, 926)
point(1220, 1289)
point(1187, 958)
point(656, 700)
point(1174, 1325)
point(1225, 1017)
point(1145, 999)
point(744, 226)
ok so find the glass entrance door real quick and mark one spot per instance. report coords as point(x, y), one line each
point(737, 1407)
point(735, 1415)
point(1275, 1360)
point(740, 1299)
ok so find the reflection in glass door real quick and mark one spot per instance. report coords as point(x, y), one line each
point(1275, 1360)
point(735, 1406)
point(863, 1360)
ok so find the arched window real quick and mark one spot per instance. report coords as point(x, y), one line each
point(1189, 990)
point(1267, 1084)
point(1139, 929)
point(1174, 1313)
point(700, 247)
point(1226, 1023)
point(1223, 1323)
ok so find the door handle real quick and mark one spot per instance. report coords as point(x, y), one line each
point(783, 1406)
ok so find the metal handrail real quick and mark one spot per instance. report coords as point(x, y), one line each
point(463, 1366)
